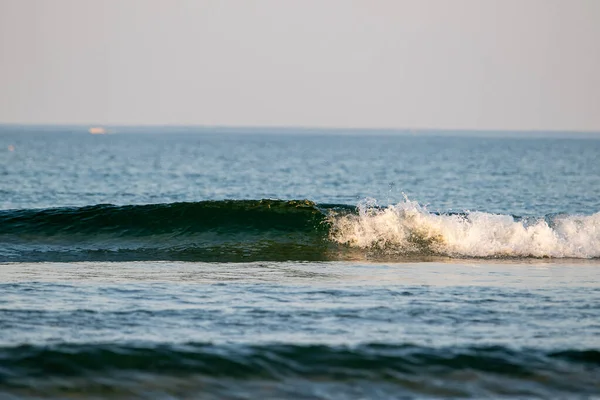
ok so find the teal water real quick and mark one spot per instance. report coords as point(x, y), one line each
point(303, 265)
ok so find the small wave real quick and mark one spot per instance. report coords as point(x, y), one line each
point(278, 230)
point(228, 231)
point(408, 228)
point(226, 216)
point(406, 369)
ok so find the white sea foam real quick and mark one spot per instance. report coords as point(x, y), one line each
point(408, 228)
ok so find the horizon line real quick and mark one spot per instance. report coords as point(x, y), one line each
point(300, 127)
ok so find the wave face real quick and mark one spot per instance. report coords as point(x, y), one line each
point(231, 230)
point(308, 371)
point(277, 230)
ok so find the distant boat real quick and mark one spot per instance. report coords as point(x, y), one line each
point(97, 130)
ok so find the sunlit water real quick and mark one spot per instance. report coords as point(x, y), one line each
point(483, 283)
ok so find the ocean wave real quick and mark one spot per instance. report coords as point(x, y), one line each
point(407, 227)
point(407, 369)
point(226, 216)
point(278, 230)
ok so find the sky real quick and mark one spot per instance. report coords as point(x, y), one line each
point(460, 64)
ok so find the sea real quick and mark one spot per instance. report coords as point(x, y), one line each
point(279, 263)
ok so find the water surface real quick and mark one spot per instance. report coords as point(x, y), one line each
point(245, 264)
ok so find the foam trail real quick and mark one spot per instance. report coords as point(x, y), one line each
point(408, 228)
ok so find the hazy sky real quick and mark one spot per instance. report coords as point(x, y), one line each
point(480, 64)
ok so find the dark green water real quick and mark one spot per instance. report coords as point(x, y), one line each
point(164, 266)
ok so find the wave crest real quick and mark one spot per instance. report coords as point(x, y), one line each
point(409, 228)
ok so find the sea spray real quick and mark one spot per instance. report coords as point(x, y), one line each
point(409, 228)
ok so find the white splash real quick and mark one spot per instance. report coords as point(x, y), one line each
point(407, 228)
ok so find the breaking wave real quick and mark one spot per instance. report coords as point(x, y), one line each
point(407, 228)
point(278, 230)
